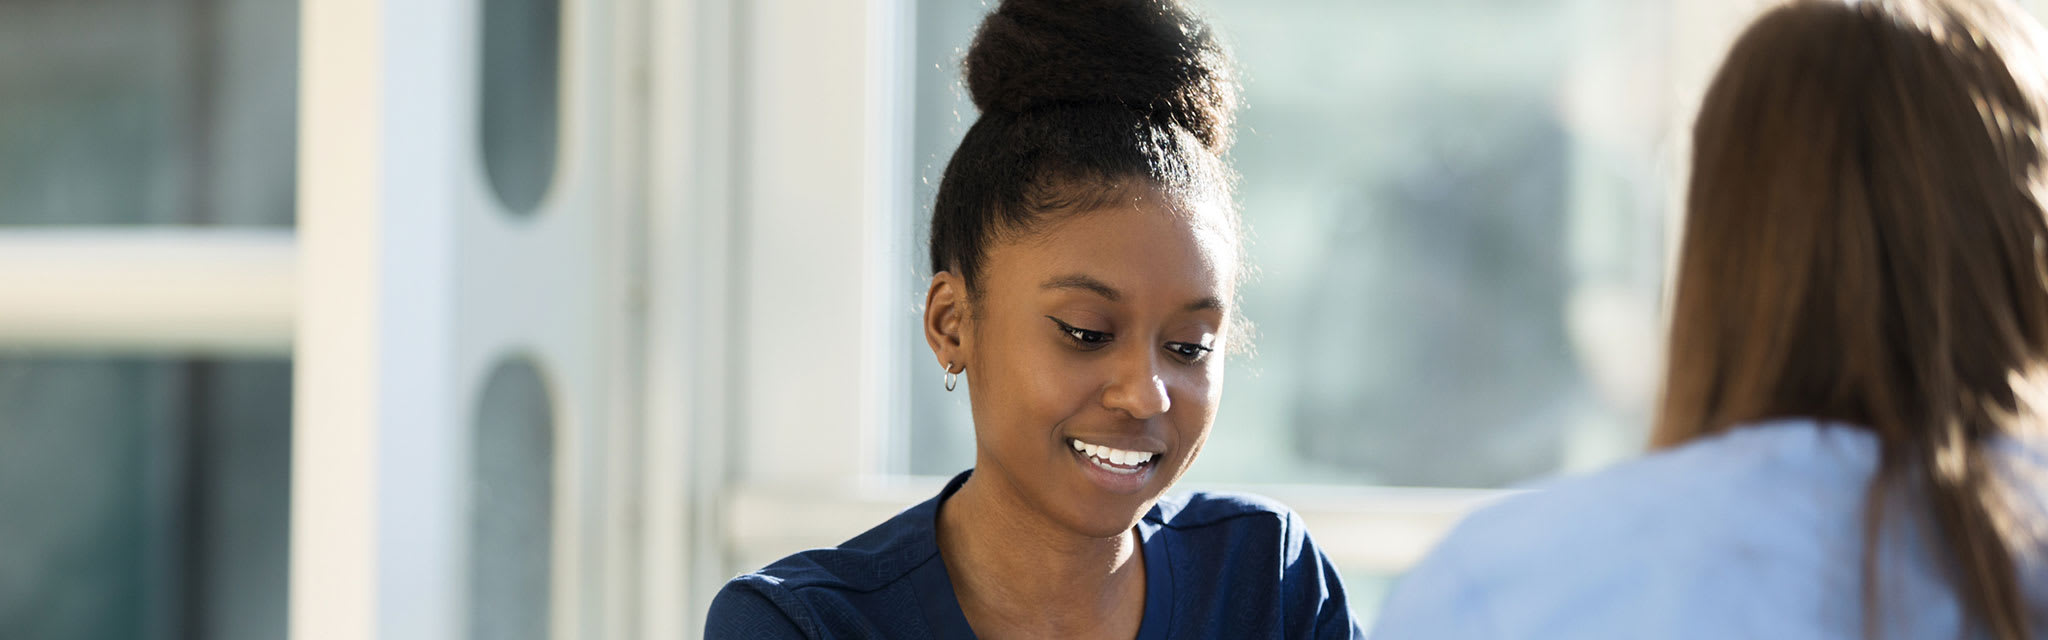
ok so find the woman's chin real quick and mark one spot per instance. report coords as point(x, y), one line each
point(1108, 520)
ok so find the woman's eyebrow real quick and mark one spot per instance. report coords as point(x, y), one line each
point(1084, 283)
point(1100, 288)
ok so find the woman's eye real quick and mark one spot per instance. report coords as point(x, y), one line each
point(1091, 337)
point(1188, 351)
point(1084, 337)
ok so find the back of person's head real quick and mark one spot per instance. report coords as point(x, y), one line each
point(1865, 244)
point(1082, 103)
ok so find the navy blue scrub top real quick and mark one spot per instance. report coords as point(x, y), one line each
point(1217, 565)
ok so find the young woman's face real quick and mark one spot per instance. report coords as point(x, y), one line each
point(1095, 355)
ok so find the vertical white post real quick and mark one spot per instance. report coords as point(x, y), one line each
point(889, 288)
point(689, 234)
point(333, 547)
point(374, 542)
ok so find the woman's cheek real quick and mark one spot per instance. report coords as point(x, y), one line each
point(1203, 385)
point(1062, 384)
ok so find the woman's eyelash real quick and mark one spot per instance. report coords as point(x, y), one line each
point(1084, 337)
point(1090, 339)
point(1192, 352)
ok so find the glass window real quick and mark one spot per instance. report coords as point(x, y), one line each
point(164, 113)
point(521, 70)
point(511, 513)
point(1456, 214)
point(146, 497)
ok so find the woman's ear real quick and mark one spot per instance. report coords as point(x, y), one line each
point(945, 320)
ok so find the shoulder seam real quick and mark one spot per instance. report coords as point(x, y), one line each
point(883, 582)
point(1215, 521)
point(785, 602)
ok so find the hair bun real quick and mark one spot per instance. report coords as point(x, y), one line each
point(1152, 56)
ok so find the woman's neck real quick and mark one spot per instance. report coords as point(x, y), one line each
point(1017, 573)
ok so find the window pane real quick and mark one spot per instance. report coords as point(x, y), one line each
point(1458, 224)
point(521, 67)
point(511, 516)
point(145, 498)
point(1456, 213)
point(941, 438)
point(170, 112)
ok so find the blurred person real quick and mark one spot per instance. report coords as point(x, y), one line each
point(1851, 441)
point(1086, 254)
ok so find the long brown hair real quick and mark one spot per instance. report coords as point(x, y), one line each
point(1864, 244)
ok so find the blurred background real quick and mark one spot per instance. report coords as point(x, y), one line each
point(541, 318)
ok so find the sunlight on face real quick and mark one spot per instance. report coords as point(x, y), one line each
point(1097, 351)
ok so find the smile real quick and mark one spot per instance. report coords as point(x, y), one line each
point(1113, 460)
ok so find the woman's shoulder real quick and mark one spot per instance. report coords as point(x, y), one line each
point(1249, 558)
point(1727, 481)
point(1234, 517)
point(1212, 508)
point(860, 585)
point(1710, 523)
point(756, 605)
point(853, 589)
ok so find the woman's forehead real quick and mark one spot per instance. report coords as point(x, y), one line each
point(1144, 249)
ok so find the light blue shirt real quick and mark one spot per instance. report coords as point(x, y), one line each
point(1756, 533)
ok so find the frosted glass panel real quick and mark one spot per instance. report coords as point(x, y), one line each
point(511, 514)
point(521, 77)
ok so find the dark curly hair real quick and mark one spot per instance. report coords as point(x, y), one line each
point(1078, 98)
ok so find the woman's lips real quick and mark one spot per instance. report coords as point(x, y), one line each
point(1119, 471)
point(1113, 459)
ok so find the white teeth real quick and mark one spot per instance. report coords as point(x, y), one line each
point(1112, 456)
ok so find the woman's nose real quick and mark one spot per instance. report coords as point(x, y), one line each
point(1137, 388)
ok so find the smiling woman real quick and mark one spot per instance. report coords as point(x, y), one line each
point(1086, 260)
point(1090, 350)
